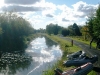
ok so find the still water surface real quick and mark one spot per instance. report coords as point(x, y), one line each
point(43, 52)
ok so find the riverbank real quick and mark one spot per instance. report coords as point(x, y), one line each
point(67, 49)
point(31, 37)
point(40, 54)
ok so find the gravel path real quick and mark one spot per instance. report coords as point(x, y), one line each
point(87, 49)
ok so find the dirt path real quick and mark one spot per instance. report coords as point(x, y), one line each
point(87, 49)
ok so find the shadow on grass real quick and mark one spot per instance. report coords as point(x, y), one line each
point(96, 69)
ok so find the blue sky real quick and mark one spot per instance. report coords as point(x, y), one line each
point(43, 12)
point(70, 2)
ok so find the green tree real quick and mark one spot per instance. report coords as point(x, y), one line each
point(90, 25)
point(94, 26)
point(65, 32)
point(96, 22)
point(85, 32)
point(49, 29)
point(14, 31)
point(70, 28)
point(93, 23)
point(76, 29)
point(0, 31)
point(53, 29)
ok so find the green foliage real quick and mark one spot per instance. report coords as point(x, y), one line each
point(53, 29)
point(90, 26)
point(0, 30)
point(71, 30)
point(13, 29)
point(40, 30)
point(85, 32)
point(65, 32)
point(94, 24)
point(76, 30)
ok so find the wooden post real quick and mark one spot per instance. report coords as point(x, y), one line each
point(72, 42)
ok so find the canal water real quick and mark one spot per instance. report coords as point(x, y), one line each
point(43, 53)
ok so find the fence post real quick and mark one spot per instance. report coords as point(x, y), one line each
point(72, 42)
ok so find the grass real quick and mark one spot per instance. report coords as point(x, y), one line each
point(66, 49)
point(80, 39)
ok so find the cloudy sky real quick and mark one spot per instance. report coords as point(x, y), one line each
point(43, 12)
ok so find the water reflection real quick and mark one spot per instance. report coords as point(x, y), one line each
point(44, 54)
point(50, 43)
point(39, 56)
point(11, 62)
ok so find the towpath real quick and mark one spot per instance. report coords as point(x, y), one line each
point(87, 49)
point(90, 52)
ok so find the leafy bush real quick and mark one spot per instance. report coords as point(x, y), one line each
point(13, 29)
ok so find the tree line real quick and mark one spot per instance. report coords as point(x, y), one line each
point(14, 30)
point(93, 23)
point(89, 30)
point(93, 26)
point(72, 30)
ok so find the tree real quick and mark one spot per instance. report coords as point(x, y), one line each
point(85, 32)
point(76, 30)
point(53, 29)
point(1, 31)
point(14, 30)
point(70, 28)
point(49, 29)
point(94, 26)
point(65, 32)
point(96, 22)
point(90, 25)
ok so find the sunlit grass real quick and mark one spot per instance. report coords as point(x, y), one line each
point(92, 73)
point(66, 49)
point(80, 39)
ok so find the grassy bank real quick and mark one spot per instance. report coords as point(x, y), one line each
point(80, 39)
point(31, 37)
point(67, 49)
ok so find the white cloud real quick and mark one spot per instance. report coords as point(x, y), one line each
point(49, 15)
point(84, 8)
point(47, 5)
point(65, 20)
point(23, 2)
point(40, 13)
point(67, 12)
point(18, 8)
point(1, 3)
point(50, 9)
point(64, 7)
